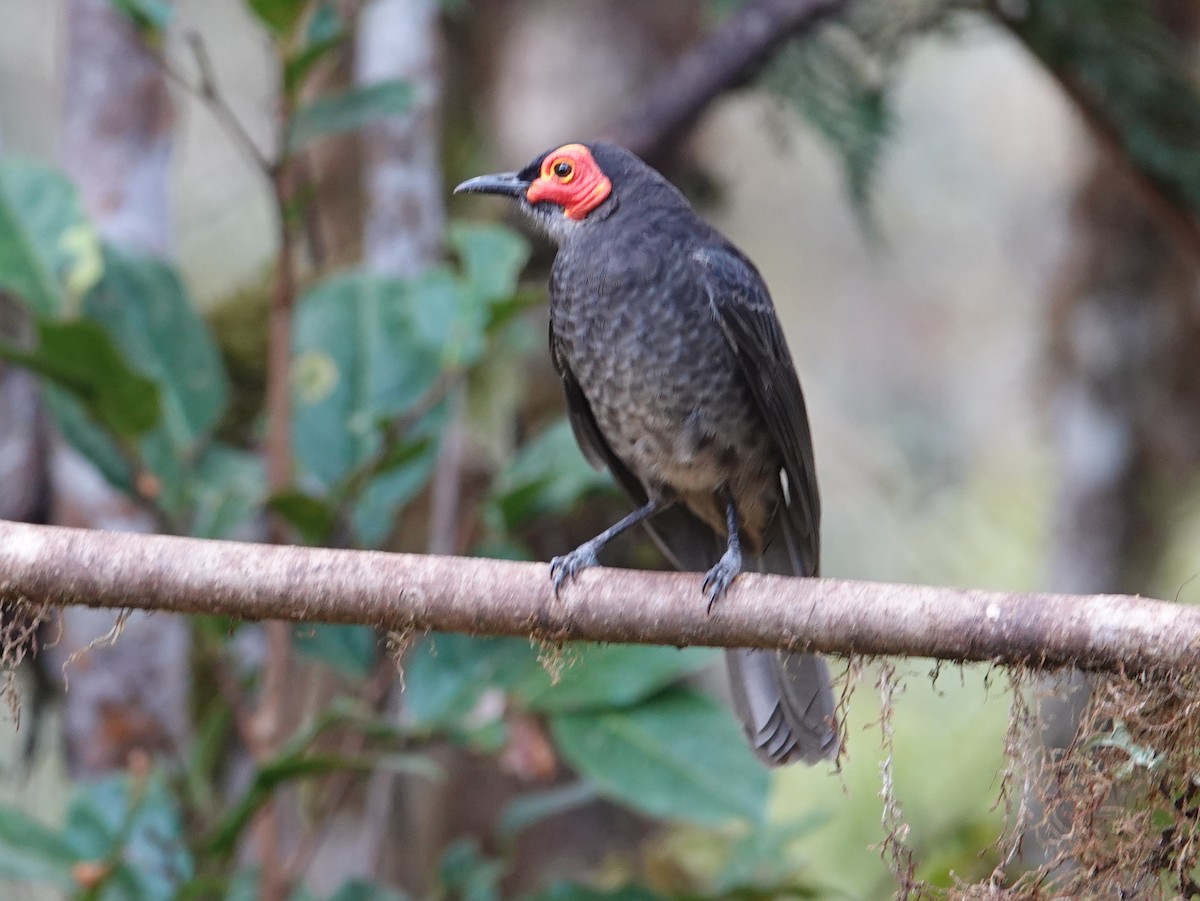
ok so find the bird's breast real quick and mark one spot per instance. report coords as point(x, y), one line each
point(661, 380)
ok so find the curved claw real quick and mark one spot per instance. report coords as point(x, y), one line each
point(563, 569)
point(718, 579)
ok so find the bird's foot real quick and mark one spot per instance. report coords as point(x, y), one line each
point(565, 568)
point(720, 577)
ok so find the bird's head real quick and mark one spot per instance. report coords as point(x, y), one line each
point(565, 188)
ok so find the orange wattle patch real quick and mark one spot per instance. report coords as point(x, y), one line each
point(571, 178)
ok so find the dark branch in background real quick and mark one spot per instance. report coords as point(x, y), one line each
point(1163, 203)
point(1109, 633)
point(728, 58)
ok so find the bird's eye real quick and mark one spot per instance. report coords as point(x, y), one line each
point(564, 169)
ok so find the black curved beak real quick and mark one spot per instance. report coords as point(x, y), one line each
point(510, 184)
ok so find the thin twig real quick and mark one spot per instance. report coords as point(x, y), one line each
point(211, 96)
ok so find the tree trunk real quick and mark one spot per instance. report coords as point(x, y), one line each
point(116, 145)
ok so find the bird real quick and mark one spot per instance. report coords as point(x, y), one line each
point(679, 381)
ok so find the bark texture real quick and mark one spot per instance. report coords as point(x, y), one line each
point(406, 592)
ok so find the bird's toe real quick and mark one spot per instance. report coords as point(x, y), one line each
point(563, 569)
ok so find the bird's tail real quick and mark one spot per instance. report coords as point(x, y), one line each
point(784, 701)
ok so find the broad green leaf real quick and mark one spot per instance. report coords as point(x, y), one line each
point(466, 874)
point(32, 853)
point(311, 517)
point(492, 257)
point(137, 822)
point(401, 475)
point(445, 675)
point(246, 885)
point(549, 475)
point(678, 755)
point(598, 677)
point(359, 890)
point(279, 16)
point(533, 807)
point(49, 252)
point(80, 357)
point(448, 316)
point(89, 438)
point(152, 15)
point(144, 307)
point(326, 30)
point(359, 362)
point(348, 111)
point(573, 891)
point(326, 23)
point(351, 650)
point(226, 491)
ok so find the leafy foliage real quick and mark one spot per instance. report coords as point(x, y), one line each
point(1136, 76)
point(80, 358)
point(348, 111)
point(49, 252)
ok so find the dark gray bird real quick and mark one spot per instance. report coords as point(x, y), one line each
point(678, 380)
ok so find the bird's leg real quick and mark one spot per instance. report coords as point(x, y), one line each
point(721, 576)
point(563, 569)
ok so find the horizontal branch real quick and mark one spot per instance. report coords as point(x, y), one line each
point(60, 566)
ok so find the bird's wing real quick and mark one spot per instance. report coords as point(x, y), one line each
point(743, 309)
point(784, 701)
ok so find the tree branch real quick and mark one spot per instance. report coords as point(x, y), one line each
point(60, 566)
point(726, 59)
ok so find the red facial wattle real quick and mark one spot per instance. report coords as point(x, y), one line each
point(570, 178)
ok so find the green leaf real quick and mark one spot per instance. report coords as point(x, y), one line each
point(445, 675)
point(359, 890)
point(492, 257)
point(279, 16)
point(359, 362)
point(832, 81)
point(548, 476)
point(466, 874)
point(148, 15)
point(29, 852)
point(80, 357)
point(573, 891)
point(309, 516)
point(351, 650)
point(138, 822)
point(1132, 74)
point(89, 438)
point(49, 252)
point(678, 755)
point(533, 807)
point(615, 675)
point(226, 491)
point(144, 307)
point(348, 111)
point(325, 32)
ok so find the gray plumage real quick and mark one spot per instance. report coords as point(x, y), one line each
point(678, 380)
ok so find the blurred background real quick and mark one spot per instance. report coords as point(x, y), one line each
point(977, 222)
